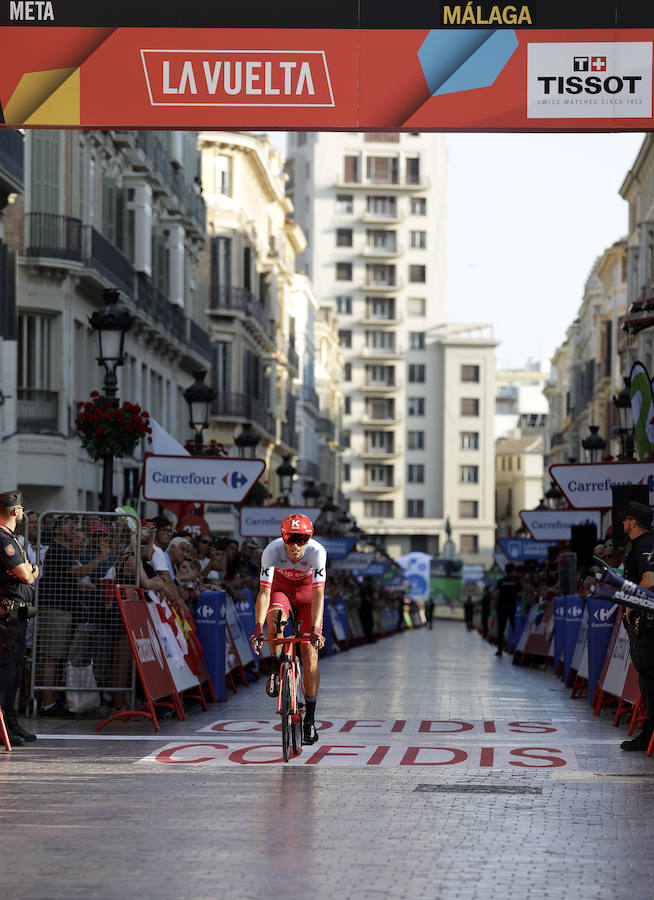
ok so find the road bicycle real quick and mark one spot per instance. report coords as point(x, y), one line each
point(290, 696)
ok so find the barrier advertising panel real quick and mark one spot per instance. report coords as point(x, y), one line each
point(618, 667)
point(574, 611)
point(601, 617)
point(210, 624)
point(559, 627)
point(172, 641)
point(352, 64)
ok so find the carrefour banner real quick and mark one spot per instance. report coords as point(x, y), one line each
point(588, 485)
point(353, 65)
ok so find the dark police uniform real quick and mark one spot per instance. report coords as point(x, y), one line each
point(12, 635)
point(508, 587)
point(641, 627)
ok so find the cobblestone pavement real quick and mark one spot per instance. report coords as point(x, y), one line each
point(427, 782)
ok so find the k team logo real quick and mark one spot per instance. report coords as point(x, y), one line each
point(589, 81)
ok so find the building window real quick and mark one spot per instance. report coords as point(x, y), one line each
point(384, 341)
point(343, 237)
point(344, 204)
point(468, 509)
point(413, 170)
point(35, 352)
point(379, 441)
point(347, 371)
point(222, 362)
point(468, 474)
point(347, 406)
point(418, 240)
point(416, 474)
point(381, 476)
point(416, 440)
point(416, 306)
point(469, 406)
point(380, 376)
point(343, 271)
point(417, 274)
point(378, 509)
point(224, 174)
point(346, 439)
point(46, 149)
point(344, 306)
point(380, 275)
point(381, 207)
point(469, 543)
point(470, 374)
point(380, 409)
point(380, 308)
point(416, 406)
point(417, 374)
point(383, 241)
point(416, 340)
point(383, 169)
point(381, 137)
point(345, 339)
point(351, 173)
point(418, 206)
point(346, 472)
point(415, 509)
point(469, 440)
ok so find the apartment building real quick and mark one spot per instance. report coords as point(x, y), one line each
point(261, 313)
point(418, 394)
point(100, 209)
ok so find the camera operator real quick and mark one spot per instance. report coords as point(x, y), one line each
point(17, 578)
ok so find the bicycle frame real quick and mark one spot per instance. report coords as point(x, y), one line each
point(290, 673)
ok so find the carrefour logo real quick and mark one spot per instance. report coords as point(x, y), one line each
point(589, 80)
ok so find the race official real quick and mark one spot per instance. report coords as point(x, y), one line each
point(508, 588)
point(17, 579)
point(639, 568)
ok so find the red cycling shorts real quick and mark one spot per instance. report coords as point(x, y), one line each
point(286, 595)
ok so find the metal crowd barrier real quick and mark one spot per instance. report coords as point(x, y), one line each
point(80, 653)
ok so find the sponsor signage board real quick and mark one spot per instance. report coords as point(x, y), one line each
point(376, 569)
point(201, 479)
point(354, 562)
point(337, 547)
point(266, 521)
point(353, 64)
point(556, 524)
point(523, 549)
point(588, 485)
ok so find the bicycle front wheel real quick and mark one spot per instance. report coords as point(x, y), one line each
point(296, 732)
point(285, 710)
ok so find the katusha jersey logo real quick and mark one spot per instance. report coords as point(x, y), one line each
point(237, 78)
point(589, 81)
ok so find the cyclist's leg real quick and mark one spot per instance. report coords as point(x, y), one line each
point(279, 602)
point(309, 656)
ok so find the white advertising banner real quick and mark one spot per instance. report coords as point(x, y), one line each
point(199, 479)
point(172, 642)
point(556, 524)
point(353, 562)
point(588, 485)
point(616, 673)
point(266, 521)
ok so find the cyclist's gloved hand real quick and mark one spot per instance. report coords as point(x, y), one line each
point(256, 641)
point(317, 638)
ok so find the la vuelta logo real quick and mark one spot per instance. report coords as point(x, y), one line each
point(237, 77)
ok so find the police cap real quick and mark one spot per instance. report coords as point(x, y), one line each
point(10, 499)
point(638, 511)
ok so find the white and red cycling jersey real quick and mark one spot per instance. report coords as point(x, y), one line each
point(278, 572)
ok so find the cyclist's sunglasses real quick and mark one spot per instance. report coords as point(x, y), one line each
point(296, 538)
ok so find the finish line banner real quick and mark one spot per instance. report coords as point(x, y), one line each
point(484, 67)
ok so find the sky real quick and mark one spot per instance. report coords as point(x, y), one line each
point(528, 215)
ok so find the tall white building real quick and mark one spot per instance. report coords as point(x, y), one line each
point(418, 394)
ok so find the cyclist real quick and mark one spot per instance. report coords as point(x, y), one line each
point(293, 570)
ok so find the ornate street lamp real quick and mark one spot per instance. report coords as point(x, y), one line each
point(553, 496)
point(622, 403)
point(286, 472)
point(199, 397)
point(111, 323)
point(329, 510)
point(593, 444)
point(246, 441)
point(311, 493)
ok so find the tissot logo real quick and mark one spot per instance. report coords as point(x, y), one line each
point(237, 78)
point(582, 81)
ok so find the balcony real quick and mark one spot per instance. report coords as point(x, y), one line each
point(380, 453)
point(289, 435)
point(309, 469)
point(384, 287)
point(378, 487)
point(391, 183)
point(309, 395)
point(376, 252)
point(382, 353)
point(379, 388)
point(199, 339)
point(292, 357)
point(11, 161)
point(53, 237)
point(374, 218)
point(190, 201)
point(243, 407)
point(324, 425)
point(37, 410)
point(381, 322)
point(8, 311)
point(379, 421)
point(224, 300)
point(106, 258)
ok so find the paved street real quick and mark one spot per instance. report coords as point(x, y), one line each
point(441, 772)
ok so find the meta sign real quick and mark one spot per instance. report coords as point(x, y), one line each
point(201, 479)
point(523, 549)
point(556, 524)
point(588, 485)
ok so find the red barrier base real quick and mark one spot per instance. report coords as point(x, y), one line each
point(3, 733)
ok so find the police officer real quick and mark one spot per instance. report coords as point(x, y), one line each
point(637, 522)
point(17, 578)
point(507, 589)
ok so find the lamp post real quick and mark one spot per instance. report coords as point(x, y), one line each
point(111, 323)
point(310, 493)
point(622, 403)
point(199, 397)
point(329, 510)
point(593, 444)
point(553, 496)
point(285, 472)
point(246, 441)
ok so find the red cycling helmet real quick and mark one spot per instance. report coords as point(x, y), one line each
point(297, 525)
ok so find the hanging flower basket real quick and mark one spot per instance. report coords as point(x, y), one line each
point(213, 448)
point(107, 429)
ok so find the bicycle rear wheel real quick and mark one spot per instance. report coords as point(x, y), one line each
point(285, 710)
point(296, 732)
